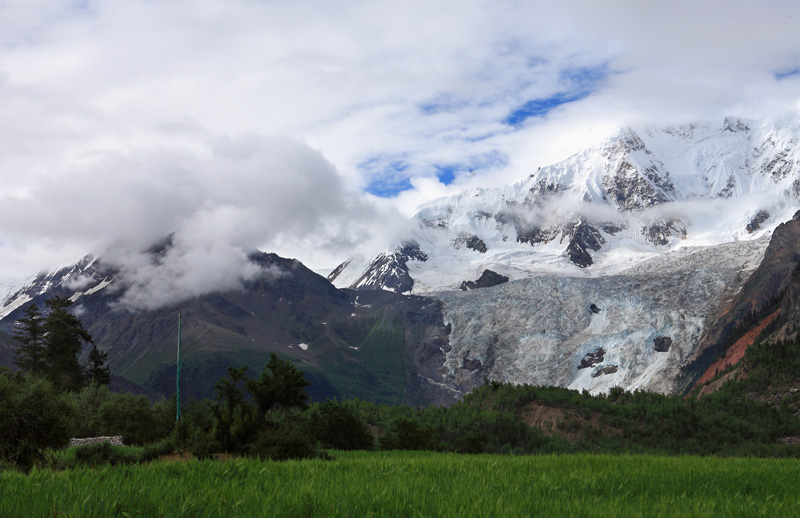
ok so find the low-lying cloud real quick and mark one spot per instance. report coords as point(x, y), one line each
point(233, 197)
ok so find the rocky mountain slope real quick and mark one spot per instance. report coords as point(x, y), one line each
point(376, 345)
point(605, 270)
point(769, 300)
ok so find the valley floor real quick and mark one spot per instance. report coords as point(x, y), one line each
point(416, 484)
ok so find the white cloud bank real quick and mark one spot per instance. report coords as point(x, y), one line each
point(237, 196)
point(123, 120)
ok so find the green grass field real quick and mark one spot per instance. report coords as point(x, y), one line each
point(415, 484)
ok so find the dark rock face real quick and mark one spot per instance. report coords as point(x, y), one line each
point(477, 244)
point(612, 228)
point(487, 279)
point(659, 232)
point(546, 188)
point(472, 242)
point(584, 237)
point(390, 271)
point(595, 309)
point(534, 235)
point(773, 277)
point(734, 125)
point(730, 185)
point(662, 344)
point(602, 371)
point(592, 359)
point(338, 270)
point(471, 365)
point(628, 188)
point(755, 222)
point(8, 346)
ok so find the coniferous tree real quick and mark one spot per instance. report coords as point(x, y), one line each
point(29, 331)
point(64, 338)
point(96, 371)
point(280, 383)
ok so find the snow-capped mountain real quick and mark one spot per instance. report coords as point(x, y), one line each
point(637, 195)
point(87, 276)
point(605, 269)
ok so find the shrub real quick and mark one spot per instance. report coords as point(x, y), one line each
point(154, 451)
point(89, 399)
point(407, 434)
point(337, 426)
point(129, 416)
point(102, 454)
point(283, 443)
point(34, 416)
point(203, 445)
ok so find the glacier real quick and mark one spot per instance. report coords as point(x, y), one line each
point(657, 227)
point(538, 330)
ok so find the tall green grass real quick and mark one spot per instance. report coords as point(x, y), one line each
point(416, 484)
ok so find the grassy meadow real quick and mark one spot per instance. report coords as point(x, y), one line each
point(406, 483)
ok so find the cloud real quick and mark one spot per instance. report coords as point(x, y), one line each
point(237, 195)
point(108, 102)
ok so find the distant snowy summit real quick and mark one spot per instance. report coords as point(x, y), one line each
point(637, 195)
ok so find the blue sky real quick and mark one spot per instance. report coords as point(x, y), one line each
point(388, 105)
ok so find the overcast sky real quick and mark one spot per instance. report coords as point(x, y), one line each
point(309, 127)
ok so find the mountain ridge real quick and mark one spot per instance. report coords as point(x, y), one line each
point(633, 196)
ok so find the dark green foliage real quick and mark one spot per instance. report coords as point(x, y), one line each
point(34, 416)
point(64, 338)
point(338, 427)
point(155, 450)
point(164, 417)
point(283, 443)
point(408, 434)
point(235, 418)
point(29, 331)
point(102, 454)
point(203, 445)
point(96, 371)
point(778, 357)
point(102, 412)
point(280, 383)
point(129, 416)
point(721, 423)
point(275, 427)
point(285, 436)
point(89, 400)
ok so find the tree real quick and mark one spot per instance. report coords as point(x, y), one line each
point(129, 416)
point(233, 415)
point(28, 330)
point(96, 372)
point(33, 417)
point(64, 337)
point(338, 427)
point(280, 383)
point(408, 434)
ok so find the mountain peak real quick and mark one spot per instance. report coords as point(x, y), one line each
point(638, 193)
